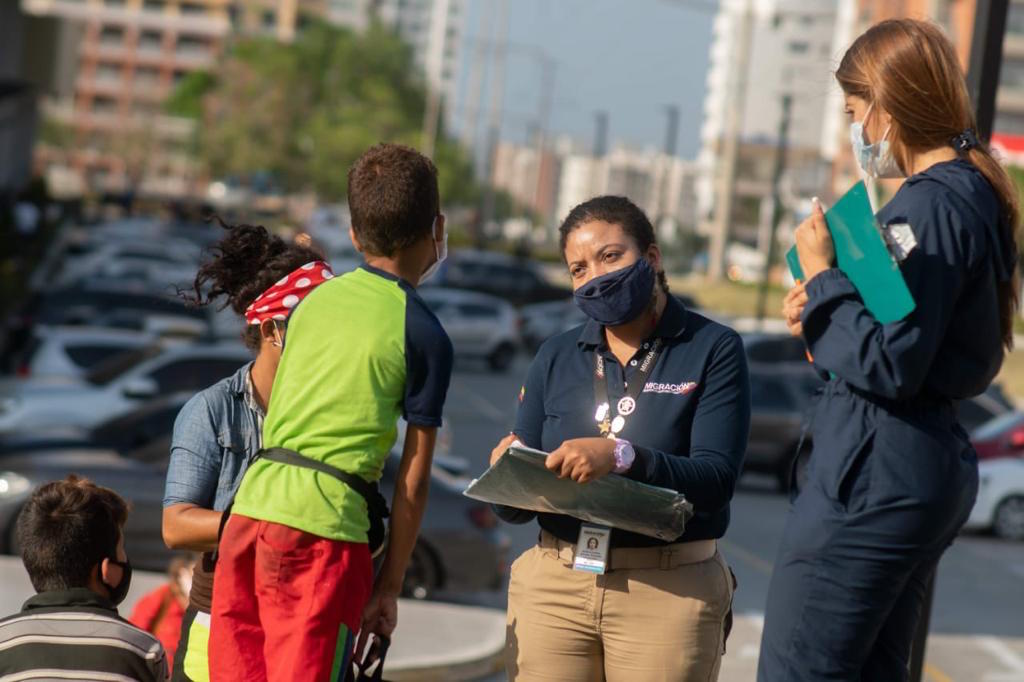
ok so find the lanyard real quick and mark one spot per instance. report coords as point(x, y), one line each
point(610, 426)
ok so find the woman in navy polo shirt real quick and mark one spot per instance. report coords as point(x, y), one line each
point(648, 390)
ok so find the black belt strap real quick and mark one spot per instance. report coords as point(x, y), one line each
point(375, 502)
point(284, 456)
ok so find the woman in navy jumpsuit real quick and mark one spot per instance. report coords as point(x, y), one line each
point(892, 475)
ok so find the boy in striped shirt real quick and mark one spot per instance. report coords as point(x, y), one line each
point(72, 544)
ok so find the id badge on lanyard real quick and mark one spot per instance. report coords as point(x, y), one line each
point(594, 542)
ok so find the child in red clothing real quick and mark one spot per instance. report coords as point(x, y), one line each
point(161, 611)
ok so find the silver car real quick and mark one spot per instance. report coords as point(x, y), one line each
point(70, 352)
point(116, 386)
point(479, 325)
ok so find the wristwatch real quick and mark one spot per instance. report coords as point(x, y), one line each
point(624, 456)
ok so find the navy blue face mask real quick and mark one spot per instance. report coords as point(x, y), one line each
point(617, 297)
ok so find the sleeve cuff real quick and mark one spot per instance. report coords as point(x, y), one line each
point(422, 420)
point(824, 288)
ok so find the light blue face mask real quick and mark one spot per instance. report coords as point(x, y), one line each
point(875, 159)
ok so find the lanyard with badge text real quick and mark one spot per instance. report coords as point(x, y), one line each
point(608, 425)
point(593, 544)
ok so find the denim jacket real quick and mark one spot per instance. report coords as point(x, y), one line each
point(215, 435)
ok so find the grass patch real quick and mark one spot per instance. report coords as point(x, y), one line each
point(732, 299)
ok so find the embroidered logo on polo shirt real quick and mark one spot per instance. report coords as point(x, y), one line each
point(673, 389)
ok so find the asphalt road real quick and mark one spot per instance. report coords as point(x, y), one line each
point(977, 627)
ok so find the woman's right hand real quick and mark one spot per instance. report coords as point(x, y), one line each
point(793, 307)
point(502, 447)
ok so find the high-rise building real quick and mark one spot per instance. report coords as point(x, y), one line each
point(661, 184)
point(762, 51)
point(126, 57)
point(1009, 121)
point(118, 60)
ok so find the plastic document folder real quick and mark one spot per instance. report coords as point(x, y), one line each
point(520, 479)
point(861, 253)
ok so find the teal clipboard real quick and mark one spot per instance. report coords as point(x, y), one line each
point(861, 253)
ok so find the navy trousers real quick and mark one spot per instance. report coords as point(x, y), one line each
point(887, 489)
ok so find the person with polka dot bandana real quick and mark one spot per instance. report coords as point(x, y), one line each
point(219, 431)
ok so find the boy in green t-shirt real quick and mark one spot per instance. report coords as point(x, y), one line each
point(294, 577)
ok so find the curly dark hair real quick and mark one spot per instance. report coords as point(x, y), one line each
point(246, 263)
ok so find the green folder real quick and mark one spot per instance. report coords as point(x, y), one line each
point(861, 253)
point(520, 479)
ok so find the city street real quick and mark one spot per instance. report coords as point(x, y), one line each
point(977, 627)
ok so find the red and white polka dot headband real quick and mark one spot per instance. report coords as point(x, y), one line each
point(276, 302)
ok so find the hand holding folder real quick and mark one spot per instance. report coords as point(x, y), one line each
point(862, 255)
point(520, 479)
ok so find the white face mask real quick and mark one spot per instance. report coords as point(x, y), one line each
point(440, 250)
point(876, 160)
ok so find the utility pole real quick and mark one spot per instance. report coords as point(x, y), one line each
point(600, 134)
point(474, 88)
point(671, 140)
point(548, 71)
point(434, 64)
point(985, 60)
point(494, 118)
point(982, 84)
point(726, 175)
point(777, 208)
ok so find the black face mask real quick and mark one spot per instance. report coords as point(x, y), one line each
point(117, 594)
point(618, 297)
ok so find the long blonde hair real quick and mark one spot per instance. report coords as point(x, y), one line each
point(910, 69)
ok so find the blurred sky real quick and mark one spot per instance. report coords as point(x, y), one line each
point(629, 57)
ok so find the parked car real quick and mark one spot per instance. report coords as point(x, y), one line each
point(102, 303)
point(541, 321)
point(116, 386)
point(1000, 504)
point(71, 352)
point(774, 349)
point(142, 434)
point(1002, 436)
point(480, 326)
point(780, 398)
point(175, 259)
point(516, 280)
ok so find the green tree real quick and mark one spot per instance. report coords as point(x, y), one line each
point(305, 111)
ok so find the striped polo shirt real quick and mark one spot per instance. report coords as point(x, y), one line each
point(76, 635)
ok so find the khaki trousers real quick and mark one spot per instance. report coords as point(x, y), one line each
point(658, 618)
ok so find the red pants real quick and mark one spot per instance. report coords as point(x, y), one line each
point(286, 604)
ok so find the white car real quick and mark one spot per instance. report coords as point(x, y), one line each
point(72, 351)
point(168, 258)
point(116, 386)
point(1000, 504)
point(479, 325)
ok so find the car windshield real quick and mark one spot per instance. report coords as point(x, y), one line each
point(111, 368)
